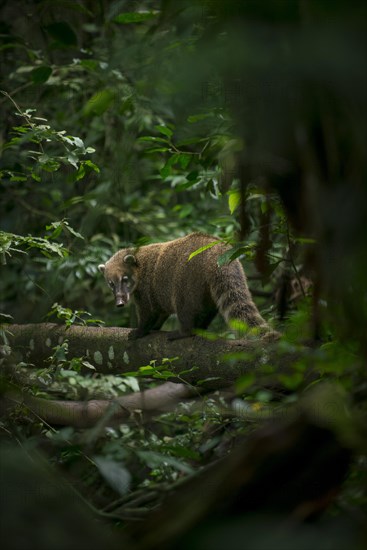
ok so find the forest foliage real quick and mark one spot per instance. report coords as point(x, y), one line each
point(137, 122)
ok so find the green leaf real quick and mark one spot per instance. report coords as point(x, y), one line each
point(256, 196)
point(73, 160)
point(201, 249)
point(234, 200)
point(99, 102)
point(134, 17)
point(72, 231)
point(61, 353)
point(88, 365)
point(57, 227)
point(36, 177)
point(41, 74)
point(197, 118)
point(154, 139)
point(192, 176)
point(304, 240)
point(81, 173)
point(90, 164)
point(191, 141)
point(75, 141)
point(158, 150)
point(232, 254)
point(204, 333)
point(164, 130)
point(4, 317)
point(49, 164)
point(147, 370)
point(18, 178)
point(238, 325)
point(166, 170)
point(264, 206)
point(90, 64)
point(164, 375)
point(184, 160)
point(62, 33)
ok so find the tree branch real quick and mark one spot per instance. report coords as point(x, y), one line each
point(83, 414)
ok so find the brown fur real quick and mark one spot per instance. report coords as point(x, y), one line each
point(163, 281)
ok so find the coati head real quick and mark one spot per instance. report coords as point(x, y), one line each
point(120, 275)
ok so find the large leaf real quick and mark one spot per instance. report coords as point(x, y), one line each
point(234, 200)
point(99, 102)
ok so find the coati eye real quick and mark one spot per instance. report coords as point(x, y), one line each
point(111, 284)
point(125, 278)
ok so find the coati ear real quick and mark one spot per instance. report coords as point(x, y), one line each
point(102, 268)
point(129, 259)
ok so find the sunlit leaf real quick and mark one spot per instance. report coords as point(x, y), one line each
point(234, 200)
point(88, 365)
point(202, 249)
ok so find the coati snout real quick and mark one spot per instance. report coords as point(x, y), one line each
point(121, 280)
point(163, 281)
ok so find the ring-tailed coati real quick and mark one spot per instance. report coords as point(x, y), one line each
point(163, 280)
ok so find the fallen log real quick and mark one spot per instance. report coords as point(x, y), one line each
point(190, 359)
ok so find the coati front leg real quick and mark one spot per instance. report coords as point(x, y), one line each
point(190, 321)
point(186, 321)
point(147, 321)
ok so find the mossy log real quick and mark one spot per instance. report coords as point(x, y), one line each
point(111, 352)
